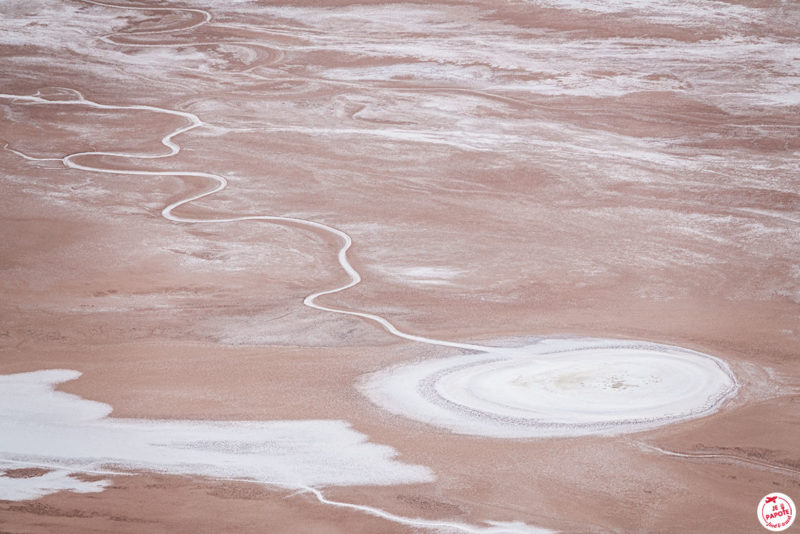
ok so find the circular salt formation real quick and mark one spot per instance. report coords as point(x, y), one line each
point(556, 387)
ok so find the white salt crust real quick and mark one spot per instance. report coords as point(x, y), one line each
point(57, 428)
point(556, 387)
point(69, 436)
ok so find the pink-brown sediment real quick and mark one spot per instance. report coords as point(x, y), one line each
point(626, 174)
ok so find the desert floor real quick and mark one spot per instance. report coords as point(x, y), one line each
point(508, 171)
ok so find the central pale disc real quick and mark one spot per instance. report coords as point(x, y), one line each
point(557, 387)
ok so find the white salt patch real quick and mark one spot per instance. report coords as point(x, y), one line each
point(60, 429)
point(423, 275)
point(556, 387)
point(30, 398)
point(464, 140)
point(681, 13)
point(23, 489)
point(70, 435)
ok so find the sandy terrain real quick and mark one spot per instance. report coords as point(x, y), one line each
point(229, 216)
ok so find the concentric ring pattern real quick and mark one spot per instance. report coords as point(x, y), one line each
point(556, 387)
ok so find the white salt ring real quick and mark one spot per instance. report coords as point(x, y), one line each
point(556, 387)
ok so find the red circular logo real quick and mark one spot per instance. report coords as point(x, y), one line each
point(776, 512)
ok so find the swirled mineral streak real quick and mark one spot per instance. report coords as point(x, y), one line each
point(556, 387)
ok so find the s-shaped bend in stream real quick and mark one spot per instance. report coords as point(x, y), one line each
point(220, 183)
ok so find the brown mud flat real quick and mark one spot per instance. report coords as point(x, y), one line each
point(504, 171)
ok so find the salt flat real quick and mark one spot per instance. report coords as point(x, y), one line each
point(385, 267)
